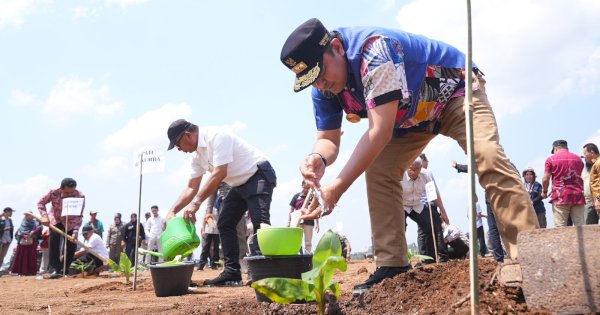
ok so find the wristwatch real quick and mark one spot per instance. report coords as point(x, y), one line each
point(196, 201)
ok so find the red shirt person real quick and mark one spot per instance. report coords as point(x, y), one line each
point(566, 196)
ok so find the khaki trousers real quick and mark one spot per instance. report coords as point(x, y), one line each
point(512, 207)
point(563, 212)
point(308, 235)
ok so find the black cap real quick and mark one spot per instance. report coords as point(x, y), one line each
point(86, 228)
point(303, 52)
point(8, 209)
point(558, 143)
point(175, 130)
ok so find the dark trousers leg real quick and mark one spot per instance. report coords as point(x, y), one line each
point(215, 257)
point(495, 242)
point(439, 233)
point(255, 196)
point(457, 249)
point(208, 249)
point(130, 251)
point(424, 230)
point(481, 239)
point(55, 248)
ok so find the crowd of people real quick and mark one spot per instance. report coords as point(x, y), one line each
point(410, 88)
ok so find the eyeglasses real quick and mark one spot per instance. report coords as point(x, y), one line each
point(179, 140)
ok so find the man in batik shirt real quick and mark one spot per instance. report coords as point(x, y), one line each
point(410, 88)
point(67, 223)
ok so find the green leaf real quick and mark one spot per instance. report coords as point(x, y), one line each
point(283, 290)
point(124, 262)
point(334, 287)
point(326, 271)
point(329, 245)
point(114, 266)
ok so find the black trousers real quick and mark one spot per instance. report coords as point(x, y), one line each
point(481, 239)
point(210, 248)
point(424, 235)
point(457, 249)
point(253, 196)
point(130, 251)
point(55, 249)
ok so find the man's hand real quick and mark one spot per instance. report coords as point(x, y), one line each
point(312, 169)
point(453, 163)
point(597, 206)
point(189, 214)
point(329, 196)
point(123, 244)
point(45, 221)
point(544, 195)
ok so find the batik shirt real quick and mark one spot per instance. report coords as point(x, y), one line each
point(422, 77)
point(55, 215)
point(567, 185)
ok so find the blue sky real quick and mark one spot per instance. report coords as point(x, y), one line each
point(85, 84)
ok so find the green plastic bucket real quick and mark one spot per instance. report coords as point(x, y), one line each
point(280, 241)
point(179, 238)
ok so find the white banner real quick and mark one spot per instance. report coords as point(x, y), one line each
point(152, 160)
point(431, 191)
point(72, 206)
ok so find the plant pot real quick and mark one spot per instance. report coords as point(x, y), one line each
point(261, 267)
point(171, 280)
point(179, 238)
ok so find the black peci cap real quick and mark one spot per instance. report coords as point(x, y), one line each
point(303, 52)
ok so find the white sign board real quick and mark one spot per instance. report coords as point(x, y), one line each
point(431, 191)
point(150, 159)
point(72, 206)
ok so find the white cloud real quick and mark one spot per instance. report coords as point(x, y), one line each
point(14, 12)
point(23, 99)
point(595, 138)
point(521, 45)
point(24, 196)
point(148, 129)
point(108, 168)
point(72, 96)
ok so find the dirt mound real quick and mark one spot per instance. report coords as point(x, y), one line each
point(439, 289)
point(120, 286)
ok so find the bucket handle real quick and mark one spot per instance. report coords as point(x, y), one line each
point(248, 242)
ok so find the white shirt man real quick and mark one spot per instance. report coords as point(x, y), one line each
point(154, 228)
point(413, 190)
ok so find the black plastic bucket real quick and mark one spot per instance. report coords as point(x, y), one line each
point(261, 267)
point(171, 280)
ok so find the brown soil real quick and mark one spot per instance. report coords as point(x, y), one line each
point(433, 289)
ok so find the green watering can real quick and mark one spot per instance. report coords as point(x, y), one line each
point(178, 239)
